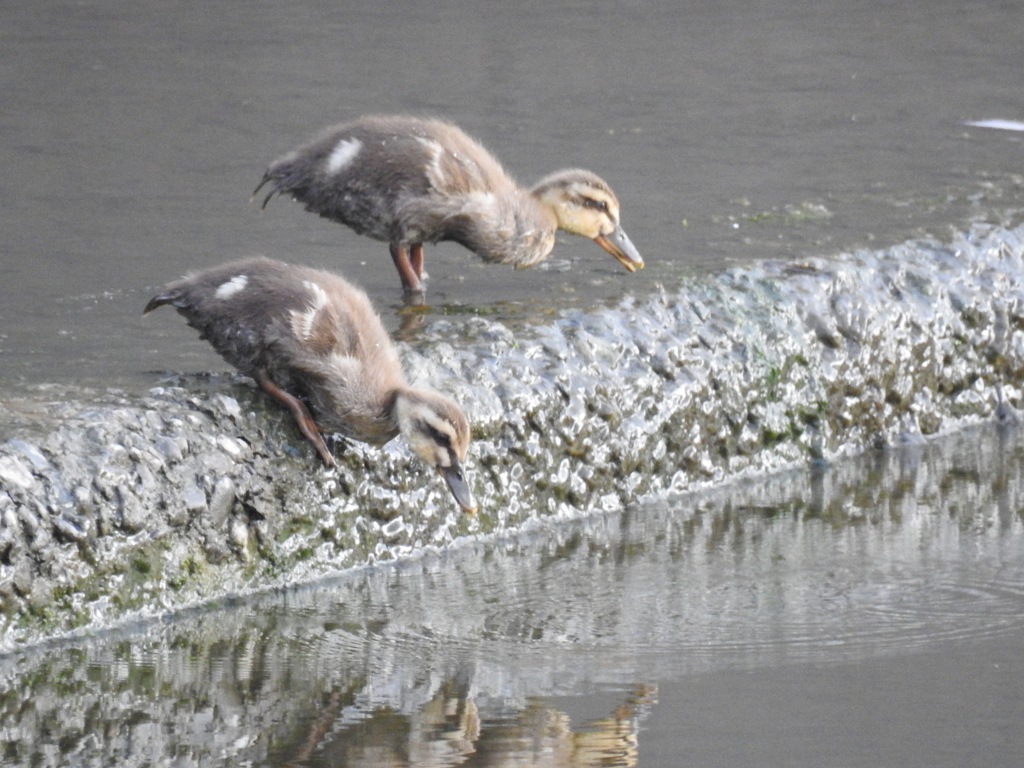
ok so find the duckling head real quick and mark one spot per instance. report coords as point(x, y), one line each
point(584, 204)
point(438, 432)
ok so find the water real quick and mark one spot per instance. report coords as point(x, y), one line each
point(132, 138)
point(869, 612)
point(864, 615)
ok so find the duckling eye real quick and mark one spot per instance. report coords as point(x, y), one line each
point(597, 205)
point(437, 436)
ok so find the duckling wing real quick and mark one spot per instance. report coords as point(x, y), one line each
point(392, 178)
point(353, 174)
point(308, 332)
point(343, 361)
point(244, 309)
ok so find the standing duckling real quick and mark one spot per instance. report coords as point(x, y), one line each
point(409, 181)
point(309, 336)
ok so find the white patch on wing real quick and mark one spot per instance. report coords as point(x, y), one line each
point(433, 170)
point(484, 206)
point(302, 322)
point(481, 201)
point(343, 154)
point(345, 365)
point(231, 287)
point(319, 294)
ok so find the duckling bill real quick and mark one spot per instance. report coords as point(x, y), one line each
point(409, 181)
point(310, 337)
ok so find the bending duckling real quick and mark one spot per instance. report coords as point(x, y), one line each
point(309, 336)
point(409, 181)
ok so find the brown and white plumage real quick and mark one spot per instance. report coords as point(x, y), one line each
point(409, 181)
point(308, 336)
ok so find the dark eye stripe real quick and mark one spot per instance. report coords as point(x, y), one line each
point(597, 205)
point(435, 434)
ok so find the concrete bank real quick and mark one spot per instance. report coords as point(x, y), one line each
point(115, 506)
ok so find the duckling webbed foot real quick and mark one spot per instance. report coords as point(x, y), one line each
point(302, 417)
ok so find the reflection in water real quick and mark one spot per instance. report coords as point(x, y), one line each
point(446, 731)
point(547, 648)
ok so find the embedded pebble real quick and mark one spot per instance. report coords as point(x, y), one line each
point(34, 455)
point(168, 448)
point(229, 405)
point(222, 500)
point(14, 472)
point(192, 497)
point(230, 445)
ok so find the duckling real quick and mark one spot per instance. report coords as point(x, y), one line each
point(409, 181)
point(308, 336)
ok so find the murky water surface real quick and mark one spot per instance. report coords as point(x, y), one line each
point(133, 136)
point(867, 614)
point(863, 614)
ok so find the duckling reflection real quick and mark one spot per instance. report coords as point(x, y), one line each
point(310, 336)
point(449, 730)
point(409, 181)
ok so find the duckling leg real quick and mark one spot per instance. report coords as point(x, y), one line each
point(410, 274)
point(416, 259)
point(306, 424)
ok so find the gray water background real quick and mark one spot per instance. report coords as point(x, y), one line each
point(731, 132)
point(132, 135)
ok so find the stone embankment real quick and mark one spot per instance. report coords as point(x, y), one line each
point(115, 506)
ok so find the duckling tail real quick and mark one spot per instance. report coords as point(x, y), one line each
point(159, 300)
point(274, 190)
